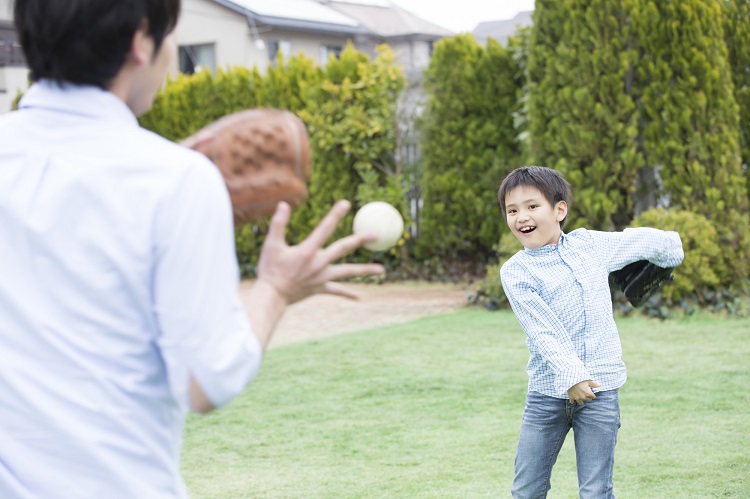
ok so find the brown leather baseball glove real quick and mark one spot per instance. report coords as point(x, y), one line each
point(264, 157)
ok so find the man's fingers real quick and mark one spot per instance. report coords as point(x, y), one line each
point(279, 221)
point(346, 270)
point(337, 289)
point(346, 245)
point(327, 226)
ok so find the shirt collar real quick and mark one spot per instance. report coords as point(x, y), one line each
point(549, 248)
point(82, 100)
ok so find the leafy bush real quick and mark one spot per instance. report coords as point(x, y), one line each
point(468, 144)
point(490, 292)
point(348, 107)
point(703, 280)
point(702, 265)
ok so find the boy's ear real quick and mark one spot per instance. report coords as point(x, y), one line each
point(561, 210)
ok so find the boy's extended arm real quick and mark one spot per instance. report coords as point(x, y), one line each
point(660, 247)
point(547, 335)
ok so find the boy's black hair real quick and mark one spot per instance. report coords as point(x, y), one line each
point(85, 41)
point(550, 183)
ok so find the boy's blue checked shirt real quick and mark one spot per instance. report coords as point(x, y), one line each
point(560, 295)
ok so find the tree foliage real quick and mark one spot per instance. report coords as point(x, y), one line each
point(584, 119)
point(737, 35)
point(348, 107)
point(633, 101)
point(468, 145)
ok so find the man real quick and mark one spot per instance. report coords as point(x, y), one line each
point(118, 297)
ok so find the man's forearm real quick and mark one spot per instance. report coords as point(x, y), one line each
point(265, 308)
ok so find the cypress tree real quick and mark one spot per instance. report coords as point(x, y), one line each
point(636, 96)
point(687, 106)
point(583, 118)
point(737, 35)
point(690, 119)
point(468, 144)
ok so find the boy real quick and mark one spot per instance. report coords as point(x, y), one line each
point(558, 287)
point(118, 298)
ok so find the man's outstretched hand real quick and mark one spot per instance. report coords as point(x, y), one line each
point(288, 274)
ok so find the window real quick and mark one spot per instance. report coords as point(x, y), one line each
point(327, 50)
point(11, 53)
point(276, 46)
point(196, 58)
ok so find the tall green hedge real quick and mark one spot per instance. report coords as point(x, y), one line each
point(468, 144)
point(691, 120)
point(737, 35)
point(633, 101)
point(687, 105)
point(635, 94)
point(188, 103)
point(348, 107)
point(582, 101)
point(352, 124)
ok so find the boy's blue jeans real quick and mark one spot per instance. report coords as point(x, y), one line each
point(546, 422)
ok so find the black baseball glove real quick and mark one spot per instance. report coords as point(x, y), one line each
point(641, 279)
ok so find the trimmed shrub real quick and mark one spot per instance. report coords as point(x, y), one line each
point(348, 107)
point(468, 145)
point(703, 266)
point(490, 292)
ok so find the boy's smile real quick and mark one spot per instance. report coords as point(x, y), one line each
point(532, 218)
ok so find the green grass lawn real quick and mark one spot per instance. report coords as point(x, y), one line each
point(432, 408)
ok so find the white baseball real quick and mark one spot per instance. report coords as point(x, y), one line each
point(382, 219)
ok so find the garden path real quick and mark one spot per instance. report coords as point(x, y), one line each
point(380, 305)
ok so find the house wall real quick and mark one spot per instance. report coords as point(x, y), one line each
point(236, 43)
point(6, 12)
point(306, 44)
point(12, 80)
point(204, 22)
point(413, 55)
point(12, 76)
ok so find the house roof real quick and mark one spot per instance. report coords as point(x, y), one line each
point(308, 15)
point(502, 30)
point(386, 19)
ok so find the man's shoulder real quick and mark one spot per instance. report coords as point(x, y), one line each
point(159, 146)
point(170, 157)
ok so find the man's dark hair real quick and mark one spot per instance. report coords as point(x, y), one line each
point(85, 41)
point(550, 183)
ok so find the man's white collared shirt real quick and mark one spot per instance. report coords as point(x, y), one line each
point(118, 279)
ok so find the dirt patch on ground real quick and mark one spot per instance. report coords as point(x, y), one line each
point(380, 305)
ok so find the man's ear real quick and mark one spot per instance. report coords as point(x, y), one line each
point(141, 46)
point(561, 210)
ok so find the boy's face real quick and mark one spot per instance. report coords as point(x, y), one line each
point(532, 219)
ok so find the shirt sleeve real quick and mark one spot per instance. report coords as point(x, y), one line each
point(618, 249)
point(546, 334)
point(204, 330)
